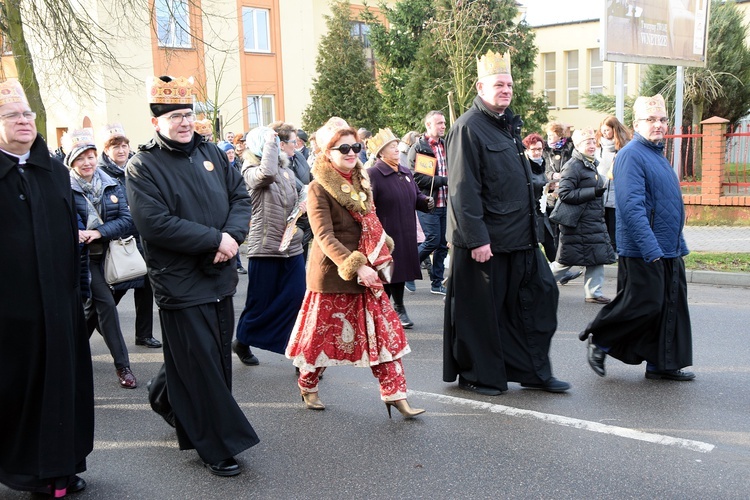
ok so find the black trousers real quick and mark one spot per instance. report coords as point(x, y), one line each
point(197, 374)
point(101, 313)
point(143, 299)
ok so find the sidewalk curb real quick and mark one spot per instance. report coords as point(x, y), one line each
point(701, 277)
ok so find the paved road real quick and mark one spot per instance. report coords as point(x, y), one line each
point(717, 238)
point(617, 437)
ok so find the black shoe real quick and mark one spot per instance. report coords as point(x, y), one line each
point(552, 385)
point(245, 354)
point(569, 277)
point(403, 317)
point(241, 270)
point(479, 389)
point(225, 468)
point(148, 342)
point(76, 484)
point(679, 375)
point(596, 358)
point(598, 300)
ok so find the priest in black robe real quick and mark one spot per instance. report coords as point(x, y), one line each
point(46, 388)
point(501, 304)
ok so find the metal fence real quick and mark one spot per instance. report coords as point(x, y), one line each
point(737, 160)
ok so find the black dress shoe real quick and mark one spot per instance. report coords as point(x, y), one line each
point(598, 300)
point(679, 375)
point(245, 354)
point(148, 342)
point(225, 468)
point(479, 389)
point(552, 385)
point(76, 484)
point(570, 277)
point(596, 358)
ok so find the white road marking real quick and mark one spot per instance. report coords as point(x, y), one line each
point(586, 425)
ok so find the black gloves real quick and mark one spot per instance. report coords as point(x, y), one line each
point(599, 192)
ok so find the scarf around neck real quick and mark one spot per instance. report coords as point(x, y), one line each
point(92, 191)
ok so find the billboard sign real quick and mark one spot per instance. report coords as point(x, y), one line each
point(669, 32)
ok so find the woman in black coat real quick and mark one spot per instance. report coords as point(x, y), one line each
point(103, 209)
point(587, 243)
point(396, 196)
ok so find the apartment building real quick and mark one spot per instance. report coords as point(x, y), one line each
point(253, 61)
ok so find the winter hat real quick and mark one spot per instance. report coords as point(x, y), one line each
point(225, 146)
point(80, 140)
point(256, 139)
point(579, 136)
point(325, 133)
point(646, 106)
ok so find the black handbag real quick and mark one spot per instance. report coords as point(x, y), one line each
point(566, 214)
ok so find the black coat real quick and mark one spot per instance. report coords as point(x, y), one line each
point(586, 244)
point(490, 198)
point(427, 184)
point(47, 425)
point(181, 204)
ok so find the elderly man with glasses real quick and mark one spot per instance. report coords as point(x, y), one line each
point(192, 210)
point(648, 320)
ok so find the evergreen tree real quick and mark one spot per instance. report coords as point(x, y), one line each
point(345, 85)
point(428, 57)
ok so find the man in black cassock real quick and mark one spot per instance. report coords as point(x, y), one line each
point(501, 307)
point(46, 387)
point(192, 210)
point(648, 320)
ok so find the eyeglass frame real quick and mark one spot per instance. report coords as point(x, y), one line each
point(191, 117)
point(652, 121)
point(17, 115)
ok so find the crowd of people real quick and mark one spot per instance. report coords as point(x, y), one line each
point(336, 225)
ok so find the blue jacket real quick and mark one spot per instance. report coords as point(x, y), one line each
point(649, 209)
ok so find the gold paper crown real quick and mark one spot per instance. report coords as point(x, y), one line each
point(81, 137)
point(113, 130)
point(379, 140)
point(178, 91)
point(203, 127)
point(11, 91)
point(582, 135)
point(645, 106)
point(493, 63)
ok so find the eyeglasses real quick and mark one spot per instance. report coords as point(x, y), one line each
point(536, 149)
point(291, 142)
point(14, 117)
point(177, 118)
point(345, 148)
point(651, 120)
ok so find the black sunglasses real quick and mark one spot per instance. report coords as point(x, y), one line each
point(345, 148)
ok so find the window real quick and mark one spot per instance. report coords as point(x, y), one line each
point(596, 82)
point(260, 110)
point(550, 83)
point(256, 30)
point(572, 64)
point(362, 31)
point(173, 23)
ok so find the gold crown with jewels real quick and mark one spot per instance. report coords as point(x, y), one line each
point(11, 91)
point(493, 63)
point(178, 91)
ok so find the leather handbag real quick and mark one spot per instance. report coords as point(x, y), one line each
point(123, 261)
point(566, 214)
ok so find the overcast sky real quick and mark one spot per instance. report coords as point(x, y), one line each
point(542, 12)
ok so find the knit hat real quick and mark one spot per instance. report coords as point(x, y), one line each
point(80, 140)
point(166, 94)
point(225, 146)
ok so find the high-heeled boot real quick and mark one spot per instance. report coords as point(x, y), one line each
point(402, 316)
point(403, 407)
point(312, 401)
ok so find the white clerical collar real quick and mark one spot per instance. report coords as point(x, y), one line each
point(21, 158)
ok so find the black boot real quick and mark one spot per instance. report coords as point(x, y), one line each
point(401, 311)
point(244, 353)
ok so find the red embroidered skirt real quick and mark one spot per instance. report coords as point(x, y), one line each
point(335, 329)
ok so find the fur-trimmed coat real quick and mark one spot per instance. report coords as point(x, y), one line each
point(334, 258)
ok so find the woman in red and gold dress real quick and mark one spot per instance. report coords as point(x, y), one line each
point(349, 261)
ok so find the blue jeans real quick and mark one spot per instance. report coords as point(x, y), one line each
point(433, 226)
